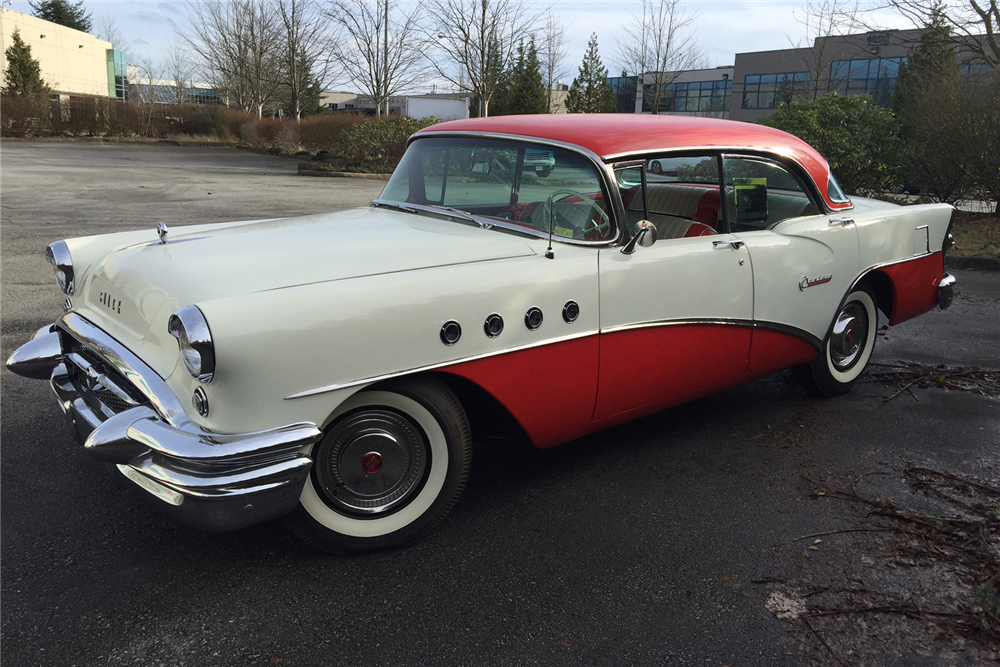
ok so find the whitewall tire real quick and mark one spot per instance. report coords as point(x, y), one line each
point(848, 346)
point(390, 466)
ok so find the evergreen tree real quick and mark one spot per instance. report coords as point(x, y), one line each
point(63, 12)
point(929, 102)
point(23, 76)
point(525, 91)
point(590, 92)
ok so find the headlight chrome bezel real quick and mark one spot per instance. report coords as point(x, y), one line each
point(58, 255)
point(189, 326)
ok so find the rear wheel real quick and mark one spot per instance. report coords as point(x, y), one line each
point(847, 349)
point(389, 468)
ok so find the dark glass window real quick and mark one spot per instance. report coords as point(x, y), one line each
point(767, 91)
point(692, 96)
point(876, 77)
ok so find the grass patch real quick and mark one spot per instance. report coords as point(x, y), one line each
point(976, 235)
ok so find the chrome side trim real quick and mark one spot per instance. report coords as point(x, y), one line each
point(674, 323)
point(791, 331)
point(142, 377)
point(431, 367)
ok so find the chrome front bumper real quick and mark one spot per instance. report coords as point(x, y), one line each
point(122, 413)
point(946, 290)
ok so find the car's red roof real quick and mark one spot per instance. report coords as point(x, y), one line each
point(612, 135)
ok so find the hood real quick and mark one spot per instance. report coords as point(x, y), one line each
point(133, 290)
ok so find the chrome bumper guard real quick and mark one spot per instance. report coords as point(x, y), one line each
point(122, 413)
point(946, 290)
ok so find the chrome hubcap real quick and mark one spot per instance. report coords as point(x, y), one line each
point(371, 463)
point(850, 334)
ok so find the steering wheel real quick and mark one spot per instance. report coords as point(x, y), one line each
point(541, 214)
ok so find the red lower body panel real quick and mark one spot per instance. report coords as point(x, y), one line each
point(914, 286)
point(549, 390)
point(554, 394)
point(778, 350)
point(644, 366)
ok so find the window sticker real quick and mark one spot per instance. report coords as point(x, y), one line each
point(751, 199)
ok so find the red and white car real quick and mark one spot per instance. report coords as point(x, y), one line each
point(335, 369)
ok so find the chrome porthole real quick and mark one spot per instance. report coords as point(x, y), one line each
point(451, 331)
point(533, 318)
point(493, 325)
point(571, 311)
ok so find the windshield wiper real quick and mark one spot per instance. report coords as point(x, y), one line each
point(464, 215)
point(434, 209)
point(379, 203)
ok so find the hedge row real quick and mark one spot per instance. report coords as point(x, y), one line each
point(364, 144)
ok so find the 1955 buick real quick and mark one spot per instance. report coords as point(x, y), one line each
point(334, 369)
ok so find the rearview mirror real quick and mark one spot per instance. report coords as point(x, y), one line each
point(643, 234)
point(481, 168)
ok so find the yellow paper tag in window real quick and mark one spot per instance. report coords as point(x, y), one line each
point(563, 231)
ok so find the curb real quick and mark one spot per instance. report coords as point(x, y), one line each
point(974, 263)
point(343, 174)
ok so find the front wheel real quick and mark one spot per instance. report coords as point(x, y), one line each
point(847, 349)
point(389, 468)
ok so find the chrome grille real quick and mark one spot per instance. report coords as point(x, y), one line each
point(103, 388)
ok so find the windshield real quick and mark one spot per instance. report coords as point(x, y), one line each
point(528, 186)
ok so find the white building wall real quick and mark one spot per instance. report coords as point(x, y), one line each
point(445, 109)
point(71, 61)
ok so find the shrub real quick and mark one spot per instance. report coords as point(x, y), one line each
point(324, 132)
point(22, 116)
point(378, 145)
point(860, 140)
point(229, 123)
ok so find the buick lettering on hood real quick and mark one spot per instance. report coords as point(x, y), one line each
point(334, 370)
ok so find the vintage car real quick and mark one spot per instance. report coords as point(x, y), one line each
point(335, 369)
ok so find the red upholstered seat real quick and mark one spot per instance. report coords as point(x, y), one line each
point(699, 229)
point(708, 209)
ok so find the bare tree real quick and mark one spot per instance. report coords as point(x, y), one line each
point(239, 43)
point(380, 52)
point(479, 39)
point(179, 71)
point(657, 44)
point(305, 53)
point(822, 20)
point(109, 31)
point(975, 23)
point(552, 52)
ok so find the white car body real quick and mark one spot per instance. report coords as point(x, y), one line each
point(313, 319)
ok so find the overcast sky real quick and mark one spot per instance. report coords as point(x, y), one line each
point(723, 27)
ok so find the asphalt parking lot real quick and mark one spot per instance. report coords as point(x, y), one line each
point(653, 543)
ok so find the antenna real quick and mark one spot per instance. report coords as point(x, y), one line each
point(552, 214)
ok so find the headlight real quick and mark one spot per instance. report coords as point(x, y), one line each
point(57, 254)
point(190, 328)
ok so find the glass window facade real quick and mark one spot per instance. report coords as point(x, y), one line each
point(117, 75)
point(692, 97)
point(624, 87)
point(876, 77)
point(767, 91)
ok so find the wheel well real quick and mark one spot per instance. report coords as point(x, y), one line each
point(488, 418)
point(881, 285)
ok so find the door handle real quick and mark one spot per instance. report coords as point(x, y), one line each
point(842, 221)
point(735, 244)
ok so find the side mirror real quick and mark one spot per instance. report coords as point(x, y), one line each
point(481, 168)
point(644, 234)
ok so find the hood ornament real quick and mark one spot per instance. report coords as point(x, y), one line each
point(161, 229)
